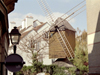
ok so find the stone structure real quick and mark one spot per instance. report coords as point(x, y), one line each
point(93, 29)
point(6, 6)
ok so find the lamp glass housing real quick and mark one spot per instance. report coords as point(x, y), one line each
point(15, 36)
point(15, 39)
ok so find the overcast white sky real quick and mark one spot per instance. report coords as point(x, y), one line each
point(58, 8)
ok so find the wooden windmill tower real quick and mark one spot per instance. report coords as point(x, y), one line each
point(62, 34)
point(62, 46)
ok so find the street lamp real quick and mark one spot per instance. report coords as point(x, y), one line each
point(15, 37)
point(14, 62)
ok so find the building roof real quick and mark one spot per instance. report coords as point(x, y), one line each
point(29, 17)
point(38, 27)
point(13, 22)
point(35, 21)
point(19, 27)
point(62, 25)
point(24, 32)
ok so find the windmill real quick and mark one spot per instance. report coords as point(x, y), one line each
point(64, 42)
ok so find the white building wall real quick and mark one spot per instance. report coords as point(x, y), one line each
point(26, 56)
point(30, 28)
point(29, 21)
point(93, 36)
point(46, 59)
point(44, 28)
point(23, 24)
point(45, 51)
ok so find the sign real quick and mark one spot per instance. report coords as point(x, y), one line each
point(14, 62)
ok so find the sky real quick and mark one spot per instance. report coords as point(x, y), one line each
point(25, 8)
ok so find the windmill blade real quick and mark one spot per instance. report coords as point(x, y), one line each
point(76, 15)
point(48, 13)
point(73, 8)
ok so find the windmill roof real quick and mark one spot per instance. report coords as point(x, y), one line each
point(62, 24)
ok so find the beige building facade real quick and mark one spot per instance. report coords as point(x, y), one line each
point(93, 29)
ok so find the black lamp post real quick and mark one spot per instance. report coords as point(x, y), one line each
point(15, 37)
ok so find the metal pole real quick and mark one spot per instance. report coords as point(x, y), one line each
point(14, 73)
point(14, 53)
point(14, 49)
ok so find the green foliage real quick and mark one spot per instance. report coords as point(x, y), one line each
point(37, 68)
point(81, 53)
point(72, 70)
point(59, 71)
point(81, 57)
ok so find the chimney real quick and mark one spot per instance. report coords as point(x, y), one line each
point(23, 23)
point(29, 21)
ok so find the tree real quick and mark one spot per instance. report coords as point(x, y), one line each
point(81, 52)
point(31, 45)
point(33, 49)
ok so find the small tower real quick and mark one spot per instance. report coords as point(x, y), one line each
point(55, 47)
point(23, 23)
point(29, 21)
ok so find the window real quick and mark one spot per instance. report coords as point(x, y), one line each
point(46, 34)
point(51, 35)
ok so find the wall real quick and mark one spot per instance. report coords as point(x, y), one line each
point(44, 28)
point(46, 59)
point(55, 48)
point(23, 24)
point(29, 21)
point(4, 39)
point(33, 35)
point(70, 35)
point(93, 30)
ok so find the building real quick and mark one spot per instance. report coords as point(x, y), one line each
point(93, 35)
point(31, 31)
point(56, 46)
point(6, 6)
point(35, 38)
